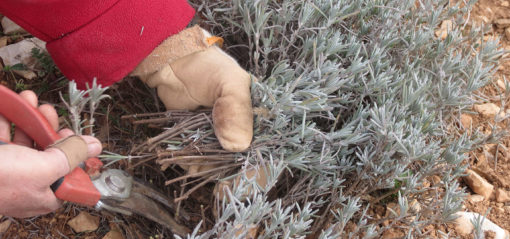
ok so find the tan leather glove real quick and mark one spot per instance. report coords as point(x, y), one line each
point(74, 148)
point(188, 73)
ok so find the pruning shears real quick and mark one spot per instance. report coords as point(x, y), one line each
point(110, 189)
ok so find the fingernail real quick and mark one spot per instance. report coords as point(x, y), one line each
point(94, 147)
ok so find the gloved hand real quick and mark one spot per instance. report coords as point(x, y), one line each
point(26, 174)
point(189, 72)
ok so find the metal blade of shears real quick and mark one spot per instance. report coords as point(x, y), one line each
point(146, 207)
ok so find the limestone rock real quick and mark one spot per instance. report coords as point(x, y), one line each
point(474, 198)
point(502, 196)
point(464, 227)
point(4, 226)
point(502, 23)
point(84, 222)
point(113, 235)
point(505, 4)
point(507, 33)
point(466, 121)
point(446, 26)
point(10, 27)
point(478, 184)
point(487, 110)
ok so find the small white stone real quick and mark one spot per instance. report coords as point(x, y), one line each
point(464, 226)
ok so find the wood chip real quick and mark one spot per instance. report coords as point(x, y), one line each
point(246, 231)
point(4, 226)
point(3, 41)
point(501, 84)
point(10, 27)
point(113, 235)
point(466, 121)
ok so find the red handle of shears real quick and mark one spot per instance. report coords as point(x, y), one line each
point(74, 187)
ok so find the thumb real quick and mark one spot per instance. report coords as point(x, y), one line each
point(233, 121)
point(68, 153)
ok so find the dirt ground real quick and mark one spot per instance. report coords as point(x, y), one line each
point(492, 161)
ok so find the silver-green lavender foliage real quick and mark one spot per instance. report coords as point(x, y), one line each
point(362, 100)
point(78, 102)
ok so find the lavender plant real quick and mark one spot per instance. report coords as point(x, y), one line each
point(79, 100)
point(361, 101)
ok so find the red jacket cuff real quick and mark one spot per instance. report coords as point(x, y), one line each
point(112, 45)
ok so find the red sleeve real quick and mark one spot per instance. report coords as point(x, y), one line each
point(105, 39)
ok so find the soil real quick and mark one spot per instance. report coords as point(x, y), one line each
point(493, 160)
point(118, 135)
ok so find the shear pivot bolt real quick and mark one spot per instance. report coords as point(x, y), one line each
point(115, 183)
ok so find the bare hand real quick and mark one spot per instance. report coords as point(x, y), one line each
point(26, 173)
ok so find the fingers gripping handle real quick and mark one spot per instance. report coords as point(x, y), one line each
point(26, 117)
point(76, 186)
